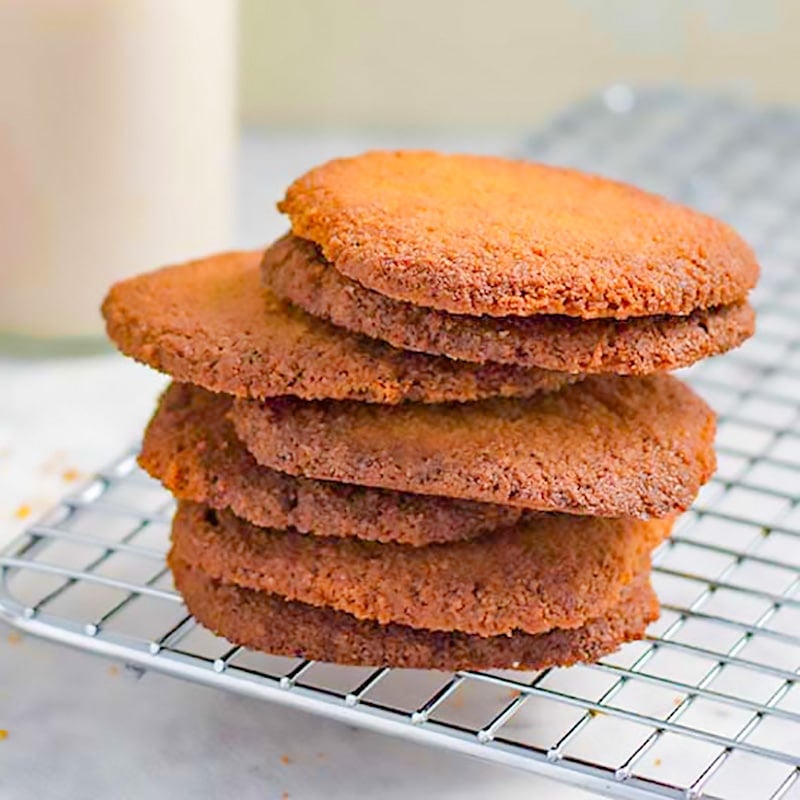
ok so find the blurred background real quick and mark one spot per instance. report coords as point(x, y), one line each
point(504, 63)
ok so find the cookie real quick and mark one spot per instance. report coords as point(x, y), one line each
point(608, 446)
point(480, 235)
point(192, 449)
point(211, 323)
point(295, 271)
point(265, 622)
point(555, 571)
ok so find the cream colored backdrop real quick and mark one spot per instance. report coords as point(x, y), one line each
point(499, 63)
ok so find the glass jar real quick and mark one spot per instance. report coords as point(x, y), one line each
point(117, 140)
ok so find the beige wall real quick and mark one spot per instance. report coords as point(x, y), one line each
point(499, 63)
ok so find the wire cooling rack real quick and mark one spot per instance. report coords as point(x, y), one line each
point(709, 704)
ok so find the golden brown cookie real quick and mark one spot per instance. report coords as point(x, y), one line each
point(608, 446)
point(211, 323)
point(192, 449)
point(555, 571)
point(266, 622)
point(481, 235)
point(295, 271)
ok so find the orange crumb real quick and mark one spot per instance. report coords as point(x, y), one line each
point(657, 762)
point(513, 694)
point(70, 475)
point(285, 796)
point(3, 734)
point(285, 759)
point(15, 637)
point(113, 670)
point(23, 511)
point(677, 700)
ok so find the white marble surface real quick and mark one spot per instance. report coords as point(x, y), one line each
point(77, 726)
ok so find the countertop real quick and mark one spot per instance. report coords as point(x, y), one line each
point(80, 727)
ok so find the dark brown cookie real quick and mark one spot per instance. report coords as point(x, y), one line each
point(192, 449)
point(608, 446)
point(295, 271)
point(211, 323)
point(555, 571)
point(263, 621)
point(480, 235)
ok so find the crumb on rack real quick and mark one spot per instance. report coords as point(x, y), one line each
point(457, 701)
point(71, 474)
point(657, 762)
point(23, 511)
point(285, 760)
point(285, 796)
point(113, 670)
point(3, 734)
point(15, 637)
point(677, 700)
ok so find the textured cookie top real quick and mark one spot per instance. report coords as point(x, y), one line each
point(265, 622)
point(211, 323)
point(295, 271)
point(192, 449)
point(482, 235)
point(608, 446)
point(550, 572)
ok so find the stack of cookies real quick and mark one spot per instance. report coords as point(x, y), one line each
point(432, 427)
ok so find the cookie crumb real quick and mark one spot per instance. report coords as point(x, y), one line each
point(14, 638)
point(3, 734)
point(70, 475)
point(113, 670)
point(285, 760)
point(285, 796)
point(677, 700)
point(54, 463)
point(23, 511)
point(457, 701)
point(657, 762)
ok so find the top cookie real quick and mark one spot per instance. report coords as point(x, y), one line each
point(482, 235)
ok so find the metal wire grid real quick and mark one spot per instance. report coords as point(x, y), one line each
point(709, 704)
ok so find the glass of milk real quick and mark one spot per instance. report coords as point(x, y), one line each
point(117, 137)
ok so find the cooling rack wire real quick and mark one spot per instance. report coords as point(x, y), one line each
point(710, 696)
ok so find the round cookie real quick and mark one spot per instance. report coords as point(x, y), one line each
point(608, 446)
point(554, 571)
point(211, 323)
point(481, 235)
point(295, 271)
point(192, 449)
point(263, 621)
